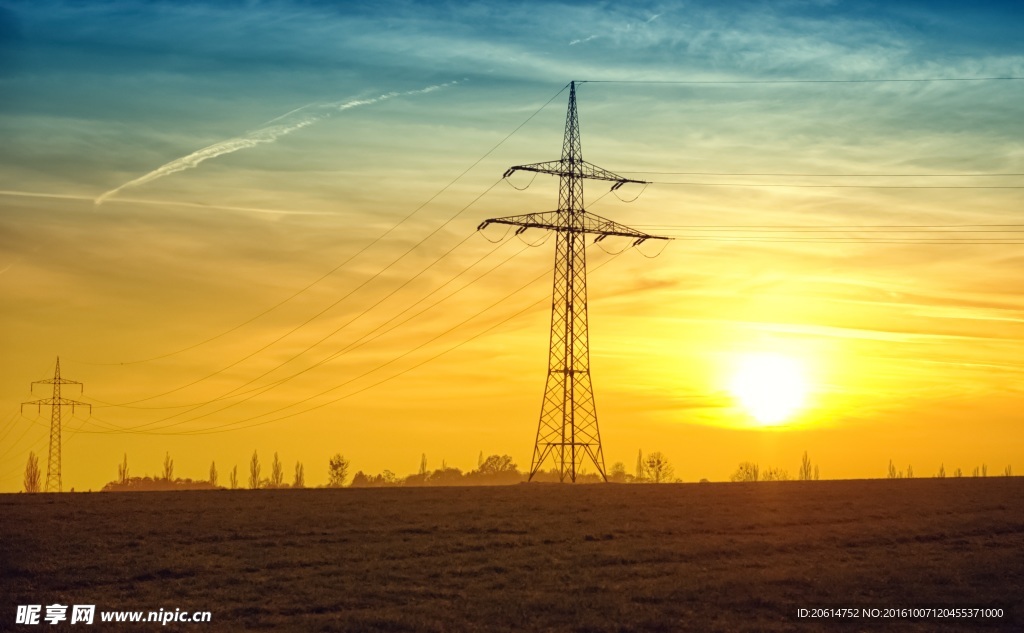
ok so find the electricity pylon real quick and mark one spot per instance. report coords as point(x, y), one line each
point(568, 431)
point(53, 475)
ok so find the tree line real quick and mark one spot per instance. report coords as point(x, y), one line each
point(908, 473)
point(751, 471)
point(491, 470)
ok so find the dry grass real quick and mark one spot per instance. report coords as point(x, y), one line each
point(528, 557)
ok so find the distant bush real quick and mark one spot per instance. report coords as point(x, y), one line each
point(617, 473)
point(444, 476)
point(386, 478)
point(138, 484)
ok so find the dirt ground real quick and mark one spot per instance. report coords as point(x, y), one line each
point(529, 557)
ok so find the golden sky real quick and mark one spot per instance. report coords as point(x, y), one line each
point(287, 186)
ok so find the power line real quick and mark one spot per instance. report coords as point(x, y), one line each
point(866, 234)
point(257, 391)
point(352, 257)
point(830, 186)
point(324, 310)
point(820, 175)
point(222, 428)
point(793, 81)
point(809, 227)
point(263, 388)
point(10, 447)
point(38, 444)
point(365, 339)
point(837, 240)
point(366, 373)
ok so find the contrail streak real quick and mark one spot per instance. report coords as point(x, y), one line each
point(266, 134)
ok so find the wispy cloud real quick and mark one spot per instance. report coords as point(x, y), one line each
point(580, 41)
point(174, 203)
point(289, 122)
point(10, 265)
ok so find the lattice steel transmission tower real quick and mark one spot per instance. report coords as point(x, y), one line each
point(568, 430)
point(53, 474)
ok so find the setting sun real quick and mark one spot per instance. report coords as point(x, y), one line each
point(771, 387)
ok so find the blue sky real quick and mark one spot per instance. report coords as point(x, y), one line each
point(99, 94)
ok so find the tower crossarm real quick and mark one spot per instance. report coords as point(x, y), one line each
point(64, 402)
point(555, 221)
point(55, 381)
point(583, 169)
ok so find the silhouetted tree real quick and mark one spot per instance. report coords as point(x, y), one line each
point(984, 470)
point(168, 467)
point(641, 474)
point(805, 468)
point(942, 471)
point(337, 471)
point(958, 473)
point(33, 480)
point(498, 464)
point(774, 474)
point(233, 478)
point(276, 473)
point(815, 472)
point(300, 476)
point(254, 471)
point(1008, 471)
point(657, 467)
point(213, 473)
point(423, 466)
point(496, 469)
point(746, 471)
point(386, 478)
point(122, 470)
point(617, 473)
point(892, 470)
point(447, 476)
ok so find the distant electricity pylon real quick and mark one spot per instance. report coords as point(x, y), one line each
point(568, 431)
point(53, 475)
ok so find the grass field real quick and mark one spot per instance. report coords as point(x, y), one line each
point(531, 557)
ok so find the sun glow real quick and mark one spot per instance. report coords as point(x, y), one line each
point(771, 387)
